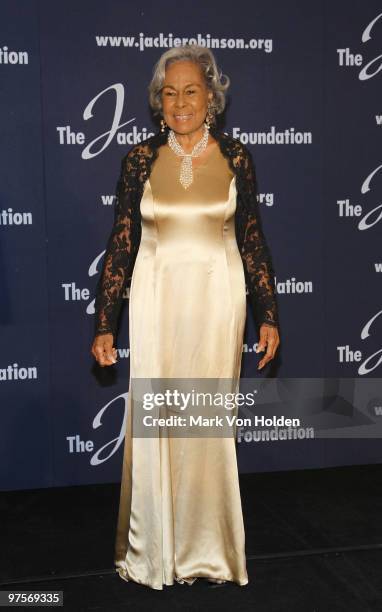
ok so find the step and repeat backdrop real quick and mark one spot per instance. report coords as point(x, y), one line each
point(305, 97)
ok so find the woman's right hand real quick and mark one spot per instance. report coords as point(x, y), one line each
point(103, 351)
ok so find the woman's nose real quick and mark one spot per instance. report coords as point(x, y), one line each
point(179, 102)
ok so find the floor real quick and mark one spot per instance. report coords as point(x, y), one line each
point(313, 537)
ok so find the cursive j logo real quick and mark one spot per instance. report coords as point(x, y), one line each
point(78, 446)
point(364, 74)
point(114, 444)
point(348, 59)
point(92, 272)
point(366, 222)
point(365, 333)
point(109, 134)
point(106, 137)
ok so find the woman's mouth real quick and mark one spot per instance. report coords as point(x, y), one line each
point(182, 117)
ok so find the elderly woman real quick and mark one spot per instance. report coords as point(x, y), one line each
point(187, 232)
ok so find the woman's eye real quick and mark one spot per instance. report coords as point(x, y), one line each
point(191, 91)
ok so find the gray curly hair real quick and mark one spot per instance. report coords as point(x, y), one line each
point(201, 56)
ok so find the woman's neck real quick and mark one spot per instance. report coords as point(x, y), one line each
point(188, 141)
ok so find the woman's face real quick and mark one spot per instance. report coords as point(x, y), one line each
point(184, 97)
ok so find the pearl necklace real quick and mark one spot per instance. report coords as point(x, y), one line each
point(186, 174)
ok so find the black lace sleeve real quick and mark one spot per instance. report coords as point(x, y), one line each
point(254, 249)
point(120, 249)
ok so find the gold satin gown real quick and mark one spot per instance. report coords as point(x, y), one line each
point(180, 514)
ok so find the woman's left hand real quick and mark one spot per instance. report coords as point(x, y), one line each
point(269, 339)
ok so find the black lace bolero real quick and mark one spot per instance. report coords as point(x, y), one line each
point(123, 242)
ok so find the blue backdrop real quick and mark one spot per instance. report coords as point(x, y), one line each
point(306, 98)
